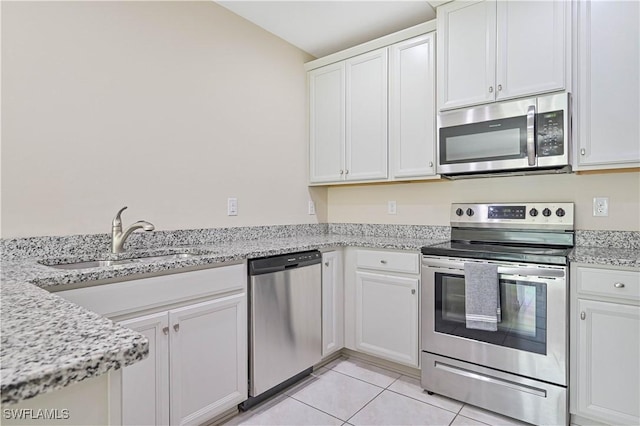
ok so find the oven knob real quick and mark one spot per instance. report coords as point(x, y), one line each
point(546, 212)
point(459, 212)
point(533, 212)
point(560, 212)
point(469, 212)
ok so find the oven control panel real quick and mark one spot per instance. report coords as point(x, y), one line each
point(513, 215)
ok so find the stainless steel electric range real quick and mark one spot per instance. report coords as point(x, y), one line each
point(520, 368)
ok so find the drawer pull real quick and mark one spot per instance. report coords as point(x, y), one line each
point(583, 315)
point(384, 262)
point(619, 285)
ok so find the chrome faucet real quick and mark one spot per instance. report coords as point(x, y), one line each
point(118, 237)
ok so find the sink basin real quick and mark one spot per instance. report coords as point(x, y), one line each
point(101, 263)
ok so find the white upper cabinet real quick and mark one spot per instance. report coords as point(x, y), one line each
point(412, 107)
point(348, 120)
point(366, 100)
point(607, 98)
point(531, 47)
point(466, 53)
point(326, 123)
point(490, 51)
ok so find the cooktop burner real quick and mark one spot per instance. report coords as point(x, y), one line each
point(518, 232)
point(490, 251)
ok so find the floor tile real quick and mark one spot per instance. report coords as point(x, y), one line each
point(390, 408)
point(466, 421)
point(367, 372)
point(410, 387)
point(315, 376)
point(489, 417)
point(286, 411)
point(334, 393)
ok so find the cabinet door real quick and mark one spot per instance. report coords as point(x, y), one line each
point(387, 317)
point(208, 365)
point(332, 303)
point(466, 53)
point(366, 115)
point(145, 384)
point(608, 369)
point(326, 123)
point(412, 115)
point(608, 73)
point(531, 49)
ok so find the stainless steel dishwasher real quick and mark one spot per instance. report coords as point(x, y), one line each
point(285, 324)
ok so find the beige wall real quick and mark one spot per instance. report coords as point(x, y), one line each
point(166, 107)
point(428, 202)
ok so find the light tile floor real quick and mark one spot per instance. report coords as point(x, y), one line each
point(352, 392)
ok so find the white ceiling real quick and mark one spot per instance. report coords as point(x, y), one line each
point(324, 27)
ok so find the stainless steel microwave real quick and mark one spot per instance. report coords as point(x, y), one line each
point(516, 136)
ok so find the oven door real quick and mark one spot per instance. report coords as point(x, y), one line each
point(532, 334)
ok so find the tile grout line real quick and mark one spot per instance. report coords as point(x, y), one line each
point(316, 408)
point(424, 402)
point(363, 407)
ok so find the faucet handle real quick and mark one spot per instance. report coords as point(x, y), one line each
point(116, 220)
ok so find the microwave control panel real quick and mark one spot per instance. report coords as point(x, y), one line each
point(550, 133)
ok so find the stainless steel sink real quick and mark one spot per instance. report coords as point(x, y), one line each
point(101, 263)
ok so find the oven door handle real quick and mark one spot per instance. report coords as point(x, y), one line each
point(503, 270)
point(532, 272)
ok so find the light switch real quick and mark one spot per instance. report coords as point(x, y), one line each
point(391, 207)
point(232, 207)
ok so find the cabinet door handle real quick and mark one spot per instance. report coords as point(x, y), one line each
point(384, 262)
point(583, 315)
point(346, 172)
point(165, 330)
point(326, 263)
point(430, 163)
point(176, 327)
point(490, 89)
point(341, 172)
point(619, 285)
point(413, 291)
point(499, 87)
point(583, 151)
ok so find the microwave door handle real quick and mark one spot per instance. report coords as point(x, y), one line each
point(531, 135)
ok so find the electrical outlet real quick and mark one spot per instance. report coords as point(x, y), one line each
point(232, 207)
point(601, 206)
point(391, 207)
point(312, 207)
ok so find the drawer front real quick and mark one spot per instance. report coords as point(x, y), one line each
point(388, 261)
point(609, 282)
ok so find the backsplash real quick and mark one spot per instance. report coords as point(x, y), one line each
point(47, 247)
point(43, 247)
point(612, 239)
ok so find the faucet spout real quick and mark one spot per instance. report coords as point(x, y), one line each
point(118, 236)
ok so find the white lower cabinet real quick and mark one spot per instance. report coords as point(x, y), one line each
point(385, 305)
point(196, 365)
point(196, 323)
point(145, 385)
point(605, 371)
point(208, 349)
point(332, 303)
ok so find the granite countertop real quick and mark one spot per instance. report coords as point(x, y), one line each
point(48, 342)
point(606, 256)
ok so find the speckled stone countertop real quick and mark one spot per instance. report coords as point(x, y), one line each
point(607, 248)
point(48, 342)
